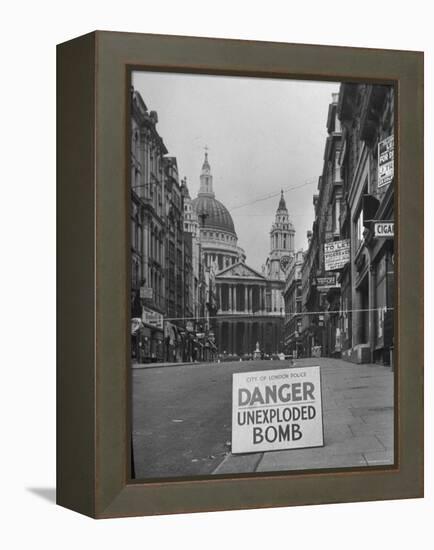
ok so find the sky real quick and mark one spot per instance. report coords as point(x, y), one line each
point(263, 135)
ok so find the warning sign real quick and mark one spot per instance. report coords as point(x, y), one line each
point(276, 409)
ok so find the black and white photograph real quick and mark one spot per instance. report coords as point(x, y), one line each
point(262, 275)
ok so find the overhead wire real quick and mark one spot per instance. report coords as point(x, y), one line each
point(270, 195)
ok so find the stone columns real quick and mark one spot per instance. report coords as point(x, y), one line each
point(245, 345)
point(246, 298)
point(234, 338)
point(251, 300)
point(235, 298)
point(229, 298)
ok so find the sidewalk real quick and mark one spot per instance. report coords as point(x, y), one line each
point(358, 423)
point(158, 365)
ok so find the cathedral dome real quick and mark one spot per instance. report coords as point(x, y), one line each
point(212, 213)
point(216, 215)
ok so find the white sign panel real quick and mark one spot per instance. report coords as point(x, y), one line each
point(276, 409)
point(146, 292)
point(153, 318)
point(326, 282)
point(385, 161)
point(384, 229)
point(336, 254)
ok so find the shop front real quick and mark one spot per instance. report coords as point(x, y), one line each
point(380, 242)
point(140, 341)
point(384, 302)
point(154, 346)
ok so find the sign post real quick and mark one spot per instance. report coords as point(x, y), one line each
point(277, 409)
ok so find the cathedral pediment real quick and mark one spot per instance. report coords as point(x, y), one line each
point(240, 271)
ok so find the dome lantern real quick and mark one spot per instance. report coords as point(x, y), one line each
point(206, 178)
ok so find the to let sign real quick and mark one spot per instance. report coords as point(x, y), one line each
point(384, 229)
point(385, 161)
point(336, 254)
point(276, 409)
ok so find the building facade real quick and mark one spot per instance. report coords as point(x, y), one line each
point(148, 284)
point(292, 295)
point(367, 158)
point(347, 275)
point(167, 285)
point(320, 333)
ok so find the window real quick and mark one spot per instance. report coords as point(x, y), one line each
point(336, 215)
point(139, 239)
point(359, 229)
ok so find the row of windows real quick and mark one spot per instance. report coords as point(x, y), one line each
point(221, 236)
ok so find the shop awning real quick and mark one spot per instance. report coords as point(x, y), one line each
point(136, 325)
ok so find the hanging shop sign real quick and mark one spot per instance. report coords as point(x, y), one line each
point(146, 293)
point(336, 254)
point(152, 318)
point(384, 229)
point(326, 282)
point(385, 161)
point(276, 409)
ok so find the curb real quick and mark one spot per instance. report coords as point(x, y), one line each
point(238, 464)
point(143, 366)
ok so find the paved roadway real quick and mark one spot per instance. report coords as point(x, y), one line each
point(182, 420)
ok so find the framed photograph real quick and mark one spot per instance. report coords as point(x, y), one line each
point(240, 274)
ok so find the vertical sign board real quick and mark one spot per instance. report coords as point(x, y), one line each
point(385, 161)
point(276, 409)
point(336, 254)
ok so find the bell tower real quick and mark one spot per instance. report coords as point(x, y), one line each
point(282, 236)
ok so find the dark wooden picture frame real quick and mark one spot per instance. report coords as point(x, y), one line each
point(93, 430)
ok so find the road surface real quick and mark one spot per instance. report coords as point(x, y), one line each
point(182, 420)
